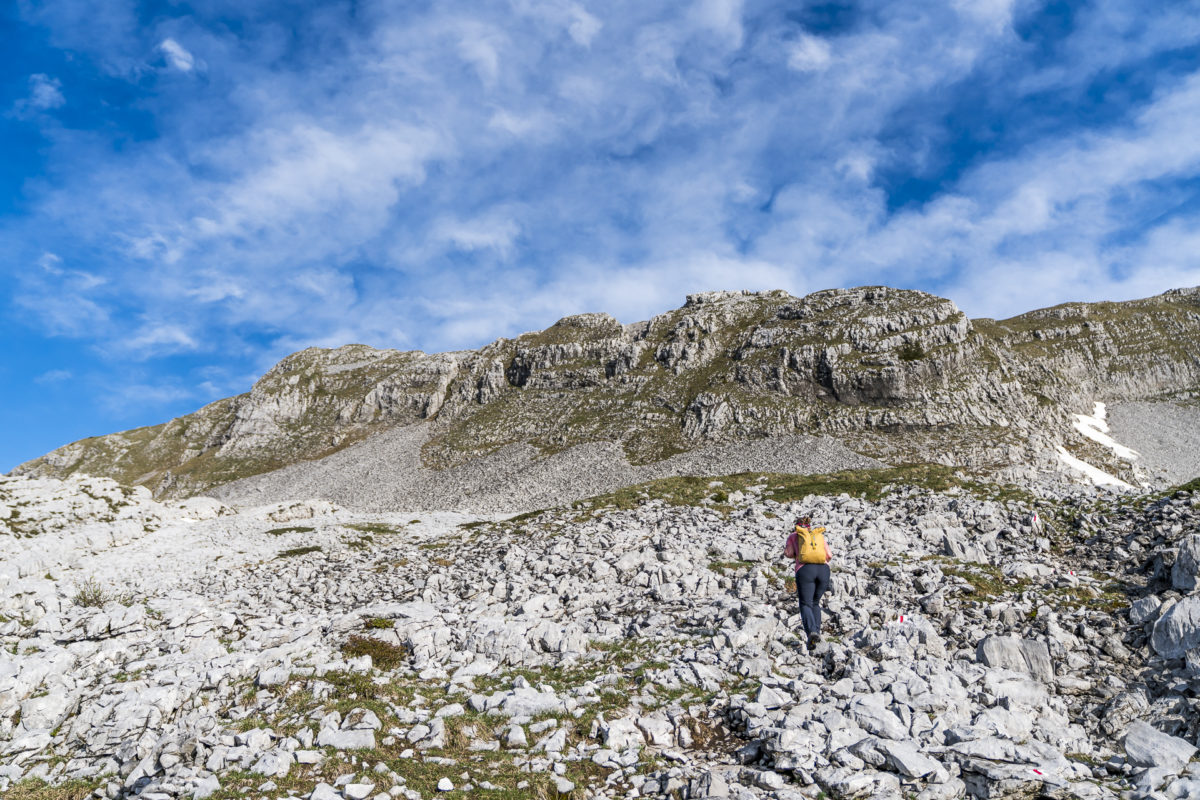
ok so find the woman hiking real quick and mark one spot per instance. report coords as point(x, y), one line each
point(810, 556)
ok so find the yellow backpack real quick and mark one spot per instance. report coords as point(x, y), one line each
point(810, 545)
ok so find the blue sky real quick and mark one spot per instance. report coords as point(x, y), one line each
point(191, 190)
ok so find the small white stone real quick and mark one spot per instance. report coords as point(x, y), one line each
point(444, 785)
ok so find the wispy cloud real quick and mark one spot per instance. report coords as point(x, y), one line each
point(159, 338)
point(809, 54)
point(177, 55)
point(122, 399)
point(45, 93)
point(53, 376)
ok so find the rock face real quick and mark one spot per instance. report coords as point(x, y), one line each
point(613, 648)
point(899, 375)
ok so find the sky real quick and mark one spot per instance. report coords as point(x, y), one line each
point(189, 191)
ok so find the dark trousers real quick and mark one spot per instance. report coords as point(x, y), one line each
point(812, 581)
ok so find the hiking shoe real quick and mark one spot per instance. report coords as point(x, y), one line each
point(814, 639)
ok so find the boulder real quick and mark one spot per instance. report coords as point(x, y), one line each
point(526, 702)
point(1146, 746)
point(346, 740)
point(324, 791)
point(657, 730)
point(1186, 570)
point(206, 787)
point(1019, 655)
point(276, 764)
point(1144, 610)
point(873, 716)
point(1178, 630)
point(622, 733)
point(906, 758)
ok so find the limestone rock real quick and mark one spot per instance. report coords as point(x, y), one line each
point(1148, 747)
point(1178, 630)
point(1186, 571)
point(1018, 655)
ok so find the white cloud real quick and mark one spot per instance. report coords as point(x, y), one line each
point(215, 289)
point(724, 17)
point(45, 93)
point(297, 180)
point(532, 125)
point(809, 54)
point(493, 232)
point(50, 262)
point(53, 376)
point(74, 279)
point(583, 26)
point(121, 398)
point(478, 46)
point(177, 55)
point(64, 313)
point(63, 301)
point(158, 338)
point(579, 24)
point(996, 14)
point(857, 165)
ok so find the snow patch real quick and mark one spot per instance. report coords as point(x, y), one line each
point(1096, 476)
point(1095, 428)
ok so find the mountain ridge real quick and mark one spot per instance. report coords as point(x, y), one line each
point(896, 375)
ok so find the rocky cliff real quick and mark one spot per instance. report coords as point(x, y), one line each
point(897, 375)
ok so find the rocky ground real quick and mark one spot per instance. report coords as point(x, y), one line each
point(641, 644)
point(385, 473)
point(1165, 435)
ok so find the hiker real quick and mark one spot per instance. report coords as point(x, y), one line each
point(810, 555)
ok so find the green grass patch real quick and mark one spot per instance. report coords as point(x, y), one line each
point(299, 551)
point(1191, 486)
point(37, 789)
point(384, 655)
point(986, 581)
point(1111, 599)
point(92, 594)
point(290, 529)
point(378, 623)
point(729, 566)
point(870, 484)
point(378, 528)
point(438, 544)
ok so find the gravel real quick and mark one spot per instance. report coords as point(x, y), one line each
point(384, 473)
point(1166, 435)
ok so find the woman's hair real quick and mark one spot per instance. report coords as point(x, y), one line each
point(804, 522)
